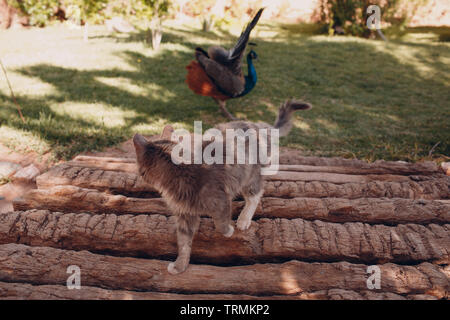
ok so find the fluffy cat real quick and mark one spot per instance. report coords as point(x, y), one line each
point(194, 190)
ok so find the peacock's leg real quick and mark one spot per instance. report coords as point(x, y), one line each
point(224, 110)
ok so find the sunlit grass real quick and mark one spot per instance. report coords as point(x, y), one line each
point(97, 113)
point(371, 99)
point(22, 140)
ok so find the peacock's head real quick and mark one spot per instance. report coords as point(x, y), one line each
point(252, 55)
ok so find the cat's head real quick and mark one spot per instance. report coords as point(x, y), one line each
point(152, 154)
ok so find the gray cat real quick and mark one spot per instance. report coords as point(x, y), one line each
point(193, 190)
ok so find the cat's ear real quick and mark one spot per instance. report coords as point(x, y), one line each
point(139, 144)
point(167, 132)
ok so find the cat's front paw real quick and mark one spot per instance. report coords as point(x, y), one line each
point(243, 224)
point(230, 232)
point(172, 269)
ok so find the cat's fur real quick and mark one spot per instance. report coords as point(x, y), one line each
point(193, 190)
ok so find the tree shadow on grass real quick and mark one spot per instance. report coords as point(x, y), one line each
point(367, 103)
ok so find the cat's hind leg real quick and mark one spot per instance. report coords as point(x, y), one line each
point(186, 227)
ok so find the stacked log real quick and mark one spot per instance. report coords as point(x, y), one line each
point(23, 291)
point(44, 265)
point(369, 210)
point(280, 185)
point(266, 240)
point(320, 225)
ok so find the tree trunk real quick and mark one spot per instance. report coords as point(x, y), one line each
point(394, 167)
point(267, 240)
point(114, 181)
point(207, 24)
point(437, 188)
point(293, 161)
point(154, 33)
point(156, 38)
point(368, 210)
point(317, 185)
point(86, 32)
point(48, 266)
point(377, 168)
point(23, 291)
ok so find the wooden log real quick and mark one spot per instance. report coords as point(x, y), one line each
point(336, 178)
point(91, 178)
point(359, 170)
point(108, 166)
point(105, 159)
point(286, 172)
point(383, 173)
point(44, 265)
point(293, 162)
point(67, 198)
point(438, 188)
point(27, 174)
point(266, 239)
point(131, 184)
point(397, 167)
point(25, 291)
point(336, 175)
point(369, 210)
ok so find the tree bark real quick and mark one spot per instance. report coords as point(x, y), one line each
point(107, 166)
point(336, 178)
point(48, 266)
point(86, 32)
point(114, 181)
point(380, 173)
point(409, 169)
point(368, 210)
point(438, 188)
point(267, 240)
point(329, 184)
point(292, 161)
point(67, 198)
point(314, 164)
point(94, 159)
point(395, 167)
point(23, 291)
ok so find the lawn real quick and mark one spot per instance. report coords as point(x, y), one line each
point(372, 100)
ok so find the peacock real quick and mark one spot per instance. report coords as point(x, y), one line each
point(218, 72)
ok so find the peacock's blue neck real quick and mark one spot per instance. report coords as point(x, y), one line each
point(251, 78)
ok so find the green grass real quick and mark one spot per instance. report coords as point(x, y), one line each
point(372, 100)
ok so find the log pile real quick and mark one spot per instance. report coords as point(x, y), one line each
point(321, 223)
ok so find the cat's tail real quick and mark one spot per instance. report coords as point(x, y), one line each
point(283, 121)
